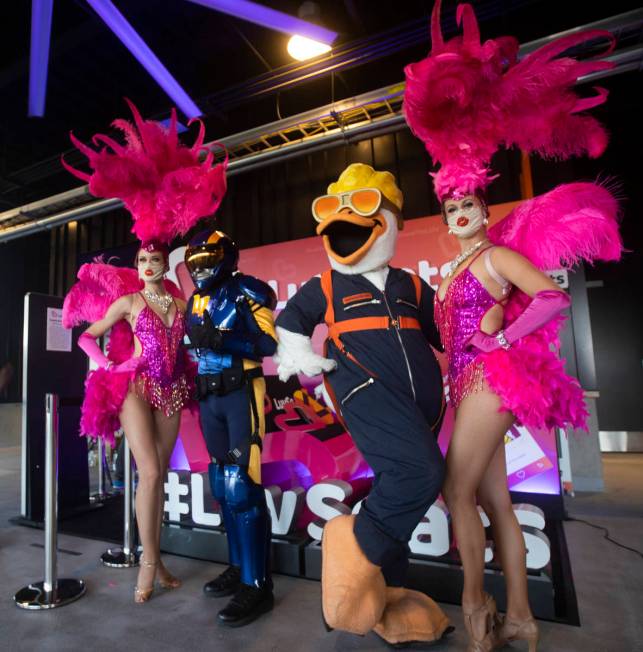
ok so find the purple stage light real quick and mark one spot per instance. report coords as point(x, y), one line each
point(180, 128)
point(271, 18)
point(137, 46)
point(41, 11)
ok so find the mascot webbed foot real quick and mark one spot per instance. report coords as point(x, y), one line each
point(411, 617)
point(353, 588)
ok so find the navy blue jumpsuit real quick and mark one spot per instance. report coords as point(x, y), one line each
point(392, 403)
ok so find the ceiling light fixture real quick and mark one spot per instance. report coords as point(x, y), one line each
point(302, 48)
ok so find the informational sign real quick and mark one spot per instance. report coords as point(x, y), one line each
point(58, 337)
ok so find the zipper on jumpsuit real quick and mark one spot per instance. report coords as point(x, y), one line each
point(370, 381)
point(396, 326)
point(361, 303)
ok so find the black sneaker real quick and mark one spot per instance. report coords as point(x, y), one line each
point(225, 584)
point(248, 603)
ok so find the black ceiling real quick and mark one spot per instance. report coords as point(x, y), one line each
point(90, 71)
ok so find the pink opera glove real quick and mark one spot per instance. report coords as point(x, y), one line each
point(127, 366)
point(542, 309)
point(88, 344)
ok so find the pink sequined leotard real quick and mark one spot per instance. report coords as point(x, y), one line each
point(458, 317)
point(160, 379)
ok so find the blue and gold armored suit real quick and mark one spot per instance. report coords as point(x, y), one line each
point(230, 325)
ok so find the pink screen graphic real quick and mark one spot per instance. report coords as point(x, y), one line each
point(304, 443)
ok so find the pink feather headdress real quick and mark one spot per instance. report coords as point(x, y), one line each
point(161, 181)
point(466, 99)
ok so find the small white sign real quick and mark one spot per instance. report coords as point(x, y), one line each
point(58, 337)
point(560, 277)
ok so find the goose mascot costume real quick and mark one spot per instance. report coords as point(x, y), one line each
point(384, 380)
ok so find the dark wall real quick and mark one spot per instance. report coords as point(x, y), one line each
point(24, 267)
point(272, 204)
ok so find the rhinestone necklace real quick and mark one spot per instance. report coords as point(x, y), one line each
point(458, 260)
point(163, 301)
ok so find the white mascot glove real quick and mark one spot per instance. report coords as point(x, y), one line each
point(295, 355)
point(321, 394)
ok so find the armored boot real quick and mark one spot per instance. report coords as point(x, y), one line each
point(247, 502)
point(227, 582)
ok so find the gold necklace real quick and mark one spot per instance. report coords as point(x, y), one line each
point(458, 260)
point(163, 301)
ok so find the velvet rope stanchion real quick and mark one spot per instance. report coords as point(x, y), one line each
point(127, 556)
point(51, 592)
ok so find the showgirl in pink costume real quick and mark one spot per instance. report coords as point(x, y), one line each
point(498, 313)
point(142, 383)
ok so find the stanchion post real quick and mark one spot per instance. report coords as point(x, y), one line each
point(52, 592)
point(51, 493)
point(101, 467)
point(100, 495)
point(126, 556)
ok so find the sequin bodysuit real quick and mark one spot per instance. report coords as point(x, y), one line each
point(160, 379)
point(458, 317)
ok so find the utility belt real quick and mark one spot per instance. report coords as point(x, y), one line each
point(225, 382)
point(228, 381)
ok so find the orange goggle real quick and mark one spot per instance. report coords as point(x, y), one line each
point(364, 202)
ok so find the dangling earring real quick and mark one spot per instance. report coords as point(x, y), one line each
point(450, 231)
point(485, 221)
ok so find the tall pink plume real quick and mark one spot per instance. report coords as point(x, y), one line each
point(467, 98)
point(161, 181)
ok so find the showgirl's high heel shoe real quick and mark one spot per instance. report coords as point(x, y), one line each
point(489, 612)
point(166, 579)
point(519, 630)
point(143, 595)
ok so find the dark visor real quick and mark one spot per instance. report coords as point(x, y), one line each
point(205, 256)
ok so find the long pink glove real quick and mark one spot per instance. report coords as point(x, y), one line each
point(542, 309)
point(88, 344)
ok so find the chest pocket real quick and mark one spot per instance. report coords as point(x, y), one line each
point(359, 300)
point(406, 302)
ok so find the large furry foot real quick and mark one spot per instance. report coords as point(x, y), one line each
point(410, 617)
point(353, 588)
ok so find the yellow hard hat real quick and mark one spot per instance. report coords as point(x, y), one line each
point(360, 175)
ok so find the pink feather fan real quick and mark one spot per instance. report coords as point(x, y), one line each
point(161, 181)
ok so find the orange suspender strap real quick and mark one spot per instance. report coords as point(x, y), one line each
point(327, 289)
point(369, 323)
point(417, 284)
point(329, 318)
point(335, 329)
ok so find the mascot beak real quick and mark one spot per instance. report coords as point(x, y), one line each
point(348, 237)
